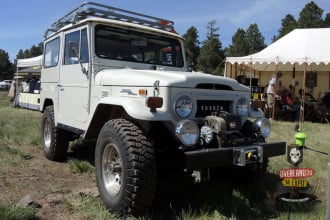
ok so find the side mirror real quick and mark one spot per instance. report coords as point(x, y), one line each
point(73, 49)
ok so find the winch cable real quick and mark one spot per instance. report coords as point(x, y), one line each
point(317, 151)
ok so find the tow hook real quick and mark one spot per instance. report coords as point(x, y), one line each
point(244, 156)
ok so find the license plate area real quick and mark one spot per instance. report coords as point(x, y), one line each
point(247, 155)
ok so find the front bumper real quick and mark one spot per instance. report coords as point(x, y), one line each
point(207, 158)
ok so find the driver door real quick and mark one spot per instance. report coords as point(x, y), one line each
point(74, 82)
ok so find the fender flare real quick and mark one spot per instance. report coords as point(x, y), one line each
point(136, 108)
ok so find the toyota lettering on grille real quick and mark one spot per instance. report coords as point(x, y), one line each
point(205, 108)
point(211, 108)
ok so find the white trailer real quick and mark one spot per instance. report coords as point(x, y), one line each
point(29, 69)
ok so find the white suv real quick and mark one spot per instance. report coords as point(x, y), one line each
point(5, 84)
point(121, 78)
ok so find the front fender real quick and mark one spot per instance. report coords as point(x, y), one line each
point(136, 108)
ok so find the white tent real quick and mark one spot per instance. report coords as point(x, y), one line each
point(301, 48)
point(29, 62)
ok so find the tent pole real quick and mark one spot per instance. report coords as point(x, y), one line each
point(230, 71)
point(302, 107)
point(225, 73)
point(273, 110)
point(251, 76)
point(293, 81)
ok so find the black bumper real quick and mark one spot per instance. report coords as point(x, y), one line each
point(207, 158)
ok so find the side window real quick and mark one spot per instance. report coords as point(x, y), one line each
point(52, 49)
point(72, 40)
point(76, 45)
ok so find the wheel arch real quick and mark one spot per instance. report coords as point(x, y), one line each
point(46, 102)
point(102, 114)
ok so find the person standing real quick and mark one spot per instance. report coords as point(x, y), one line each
point(272, 88)
point(18, 88)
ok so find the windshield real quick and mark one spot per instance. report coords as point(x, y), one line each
point(127, 45)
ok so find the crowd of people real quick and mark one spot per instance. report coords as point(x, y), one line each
point(313, 109)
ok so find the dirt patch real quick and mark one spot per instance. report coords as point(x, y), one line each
point(48, 183)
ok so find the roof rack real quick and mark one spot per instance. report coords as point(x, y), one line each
point(92, 9)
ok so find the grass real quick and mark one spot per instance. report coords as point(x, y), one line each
point(80, 166)
point(86, 207)
point(17, 213)
point(204, 202)
point(18, 126)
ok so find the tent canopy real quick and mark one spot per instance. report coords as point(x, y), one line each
point(29, 62)
point(299, 47)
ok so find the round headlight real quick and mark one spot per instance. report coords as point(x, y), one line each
point(187, 131)
point(264, 126)
point(183, 106)
point(242, 107)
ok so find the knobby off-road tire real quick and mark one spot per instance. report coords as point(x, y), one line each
point(125, 168)
point(54, 140)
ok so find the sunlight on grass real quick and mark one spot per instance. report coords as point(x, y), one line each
point(79, 166)
point(12, 118)
point(17, 213)
point(86, 207)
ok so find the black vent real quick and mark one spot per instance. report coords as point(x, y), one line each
point(213, 86)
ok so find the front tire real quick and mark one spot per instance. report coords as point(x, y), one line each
point(55, 141)
point(125, 168)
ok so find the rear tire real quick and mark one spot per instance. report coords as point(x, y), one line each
point(55, 141)
point(125, 168)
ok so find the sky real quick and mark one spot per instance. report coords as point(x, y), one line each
point(23, 23)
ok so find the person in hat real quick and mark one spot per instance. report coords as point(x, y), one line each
point(272, 88)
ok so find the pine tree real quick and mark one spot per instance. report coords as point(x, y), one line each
point(191, 45)
point(254, 39)
point(239, 46)
point(20, 54)
point(311, 16)
point(5, 65)
point(289, 23)
point(211, 55)
point(327, 20)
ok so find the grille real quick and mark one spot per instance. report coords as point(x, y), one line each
point(207, 107)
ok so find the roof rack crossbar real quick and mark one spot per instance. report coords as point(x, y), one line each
point(92, 9)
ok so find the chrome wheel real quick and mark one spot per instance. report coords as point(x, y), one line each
point(47, 134)
point(54, 141)
point(112, 169)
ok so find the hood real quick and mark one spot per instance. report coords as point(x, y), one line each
point(145, 78)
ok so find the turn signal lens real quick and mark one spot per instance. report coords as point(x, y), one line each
point(155, 102)
point(142, 92)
